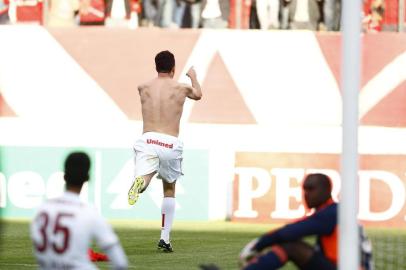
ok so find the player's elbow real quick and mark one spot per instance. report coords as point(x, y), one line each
point(198, 97)
point(195, 96)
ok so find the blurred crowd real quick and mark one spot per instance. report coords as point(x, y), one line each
point(318, 15)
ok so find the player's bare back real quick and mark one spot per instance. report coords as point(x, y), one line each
point(162, 102)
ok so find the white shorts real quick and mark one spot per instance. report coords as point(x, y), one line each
point(161, 153)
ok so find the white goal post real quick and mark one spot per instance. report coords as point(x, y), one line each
point(350, 83)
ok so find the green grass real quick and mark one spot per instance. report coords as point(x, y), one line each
point(194, 243)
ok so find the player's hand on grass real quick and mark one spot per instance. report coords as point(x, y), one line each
point(247, 253)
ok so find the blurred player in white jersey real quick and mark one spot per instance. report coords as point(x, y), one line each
point(159, 150)
point(64, 228)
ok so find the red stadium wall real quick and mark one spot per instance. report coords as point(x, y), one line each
point(129, 53)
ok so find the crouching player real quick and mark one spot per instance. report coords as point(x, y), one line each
point(64, 227)
point(274, 249)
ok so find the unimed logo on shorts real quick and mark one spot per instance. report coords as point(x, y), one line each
point(267, 186)
point(157, 142)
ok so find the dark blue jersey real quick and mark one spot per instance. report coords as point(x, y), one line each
point(323, 225)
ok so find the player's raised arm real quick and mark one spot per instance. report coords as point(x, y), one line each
point(194, 92)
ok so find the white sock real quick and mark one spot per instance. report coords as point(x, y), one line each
point(168, 212)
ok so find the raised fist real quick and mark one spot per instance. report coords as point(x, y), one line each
point(191, 73)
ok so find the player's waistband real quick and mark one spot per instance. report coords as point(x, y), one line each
point(154, 134)
point(161, 139)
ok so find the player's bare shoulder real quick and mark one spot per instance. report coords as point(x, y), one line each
point(145, 89)
point(141, 87)
point(144, 86)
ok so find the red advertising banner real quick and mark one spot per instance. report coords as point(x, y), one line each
point(267, 186)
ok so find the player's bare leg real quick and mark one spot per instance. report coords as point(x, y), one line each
point(168, 213)
point(139, 185)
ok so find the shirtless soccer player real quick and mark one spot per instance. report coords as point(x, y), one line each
point(158, 150)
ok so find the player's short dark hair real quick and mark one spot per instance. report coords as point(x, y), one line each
point(77, 166)
point(164, 62)
point(323, 179)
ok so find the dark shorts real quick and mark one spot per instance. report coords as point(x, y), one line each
point(320, 262)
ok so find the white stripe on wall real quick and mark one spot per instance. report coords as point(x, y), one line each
point(39, 79)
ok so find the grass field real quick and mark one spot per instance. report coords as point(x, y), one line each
point(194, 243)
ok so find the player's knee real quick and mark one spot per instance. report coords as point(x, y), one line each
point(298, 252)
point(169, 188)
point(169, 193)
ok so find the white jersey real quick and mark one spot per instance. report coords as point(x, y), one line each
point(63, 230)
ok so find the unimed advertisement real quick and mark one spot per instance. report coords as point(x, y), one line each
point(29, 175)
point(267, 186)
